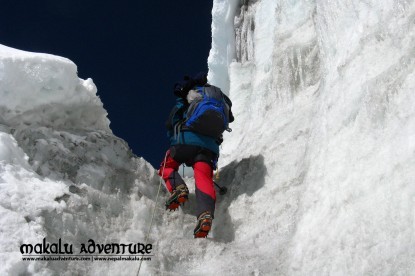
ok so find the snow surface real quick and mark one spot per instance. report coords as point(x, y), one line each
point(63, 174)
point(320, 165)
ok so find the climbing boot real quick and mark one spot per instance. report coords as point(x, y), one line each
point(179, 196)
point(204, 223)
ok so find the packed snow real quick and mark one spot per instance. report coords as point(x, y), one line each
point(63, 174)
point(320, 165)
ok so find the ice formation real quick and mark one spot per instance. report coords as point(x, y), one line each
point(320, 165)
point(63, 174)
point(323, 92)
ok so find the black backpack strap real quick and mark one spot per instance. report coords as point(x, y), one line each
point(229, 103)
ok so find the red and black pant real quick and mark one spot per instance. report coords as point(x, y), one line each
point(202, 161)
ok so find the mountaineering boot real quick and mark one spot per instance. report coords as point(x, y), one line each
point(204, 223)
point(179, 196)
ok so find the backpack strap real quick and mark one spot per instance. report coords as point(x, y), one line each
point(178, 127)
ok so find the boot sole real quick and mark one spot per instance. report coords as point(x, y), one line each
point(182, 199)
point(176, 204)
point(204, 229)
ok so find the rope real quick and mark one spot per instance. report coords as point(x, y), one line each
point(154, 209)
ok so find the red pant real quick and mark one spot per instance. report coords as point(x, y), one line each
point(203, 173)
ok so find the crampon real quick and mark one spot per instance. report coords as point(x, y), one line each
point(204, 223)
point(178, 197)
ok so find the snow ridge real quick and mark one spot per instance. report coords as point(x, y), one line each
point(63, 174)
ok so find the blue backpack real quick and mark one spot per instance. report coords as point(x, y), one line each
point(208, 113)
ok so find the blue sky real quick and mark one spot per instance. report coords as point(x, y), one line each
point(133, 50)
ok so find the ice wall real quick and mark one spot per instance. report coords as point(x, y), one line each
point(323, 90)
point(223, 42)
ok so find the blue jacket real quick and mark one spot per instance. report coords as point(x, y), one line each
point(187, 137)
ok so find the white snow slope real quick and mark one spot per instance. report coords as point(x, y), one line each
point(320, 165)
point(63, 174)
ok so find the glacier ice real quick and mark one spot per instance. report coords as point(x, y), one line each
point(324, 91)
point(320, 165)
point(63, 174)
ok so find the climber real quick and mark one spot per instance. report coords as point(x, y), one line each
point(195, 126)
